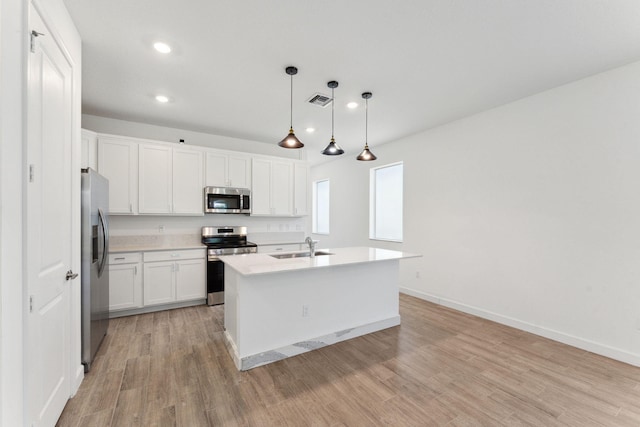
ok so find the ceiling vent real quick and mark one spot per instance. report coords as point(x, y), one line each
point(320, 100)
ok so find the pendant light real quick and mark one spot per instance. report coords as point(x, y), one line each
point(291, 141)
point(366, 155)
point(332, 149)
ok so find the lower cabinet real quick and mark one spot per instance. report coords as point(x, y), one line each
point(287, 247)
point(138, 280)
point(125, 281)
point(171, 276)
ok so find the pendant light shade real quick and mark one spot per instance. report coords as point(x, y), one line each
point(291, 141)
point(332, 149)
point(366, 154)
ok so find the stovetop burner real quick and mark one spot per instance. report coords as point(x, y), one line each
point(227, 240)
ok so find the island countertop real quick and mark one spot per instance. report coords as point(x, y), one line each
point(250, 264)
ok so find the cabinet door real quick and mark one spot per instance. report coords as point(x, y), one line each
point(155, 178)
point(239, 171)
point(216, 170)
point(89, 149)
point(261, 187)
point(159, 282)
point(281, 188)
point(118, 162)
point(300, 189)
point(125, 286)
point(187, 182)
point(191, 282)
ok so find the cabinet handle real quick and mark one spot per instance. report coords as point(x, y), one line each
point(118, 259)
point(169, 205)
point(135, 270)
point(177, 267)
point(130, 208)
point(175, 255)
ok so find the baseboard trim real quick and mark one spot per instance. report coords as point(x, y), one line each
point(584, 344)
point(77, 380)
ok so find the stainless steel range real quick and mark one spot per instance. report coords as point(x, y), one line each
point(222, 241)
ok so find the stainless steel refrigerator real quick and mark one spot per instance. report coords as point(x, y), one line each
point(95, 263)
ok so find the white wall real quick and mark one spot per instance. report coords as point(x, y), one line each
point(528, 214)
point(162, 133)
point(12, 81)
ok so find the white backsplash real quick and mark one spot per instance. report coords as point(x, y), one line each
point(265, 227)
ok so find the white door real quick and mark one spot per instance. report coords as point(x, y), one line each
point(48, 228)
point(216, 172)
point(159, 282)
point(282, 188)
point(118, 162)
point(239, 172)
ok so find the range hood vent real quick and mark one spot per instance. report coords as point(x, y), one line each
point(320, 100)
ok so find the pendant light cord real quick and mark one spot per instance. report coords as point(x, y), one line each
point(291, 104)
point(366, 122)
point(333, 102)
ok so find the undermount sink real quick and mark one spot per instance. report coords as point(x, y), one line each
point(299, 255)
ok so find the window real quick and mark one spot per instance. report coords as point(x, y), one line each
point(385, 209)
point(321, 207)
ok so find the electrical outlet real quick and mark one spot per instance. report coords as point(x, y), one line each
point(305, 310)
point(417, 274)
point(161, 229)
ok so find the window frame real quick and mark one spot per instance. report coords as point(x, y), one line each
point(314, 212)
point(372, 203)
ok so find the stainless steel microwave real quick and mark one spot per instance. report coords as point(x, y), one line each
point(227, 200)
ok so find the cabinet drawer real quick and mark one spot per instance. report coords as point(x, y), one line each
point(174, 255)
point(125, 258)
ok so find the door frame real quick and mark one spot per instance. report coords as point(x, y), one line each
point(14, 301)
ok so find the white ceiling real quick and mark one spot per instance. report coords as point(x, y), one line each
point(427, 62)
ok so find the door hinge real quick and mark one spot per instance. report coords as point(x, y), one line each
point(31, 172)
point(31, 304)
point(33, 36)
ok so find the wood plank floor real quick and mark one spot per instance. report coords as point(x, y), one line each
point(440, 367)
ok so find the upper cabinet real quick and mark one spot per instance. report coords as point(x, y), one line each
point(118, 162)
point(272, 187)
point(89, 150)
point(155, 179)
point(301, 189)
point(171, 180)
point(188, 181)
point(160, 178)
point(227, 170)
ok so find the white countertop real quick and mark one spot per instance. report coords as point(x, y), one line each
point(251, 264)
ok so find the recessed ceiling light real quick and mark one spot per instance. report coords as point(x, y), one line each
point(162, 98)
point(352, 105)
point(162, 47)
point(310, 130)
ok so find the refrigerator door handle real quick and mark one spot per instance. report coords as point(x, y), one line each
point(105, 242)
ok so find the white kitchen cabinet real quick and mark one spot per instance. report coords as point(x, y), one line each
point(227, 170)
point(118, 162)
point(272, 187)
point(191, 279)
point(125, 281)
point(159, 282)
point(88, 149)
point(187, 182)
point(300, 189)
point(155, 179)
point(171, 276)
point(171, 180)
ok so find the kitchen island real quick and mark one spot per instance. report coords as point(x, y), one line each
point(278, 308)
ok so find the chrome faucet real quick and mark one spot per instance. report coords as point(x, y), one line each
point(312, 246)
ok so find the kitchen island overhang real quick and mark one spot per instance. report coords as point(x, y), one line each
point(278, 308)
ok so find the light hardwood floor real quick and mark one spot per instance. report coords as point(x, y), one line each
point(440, 367)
